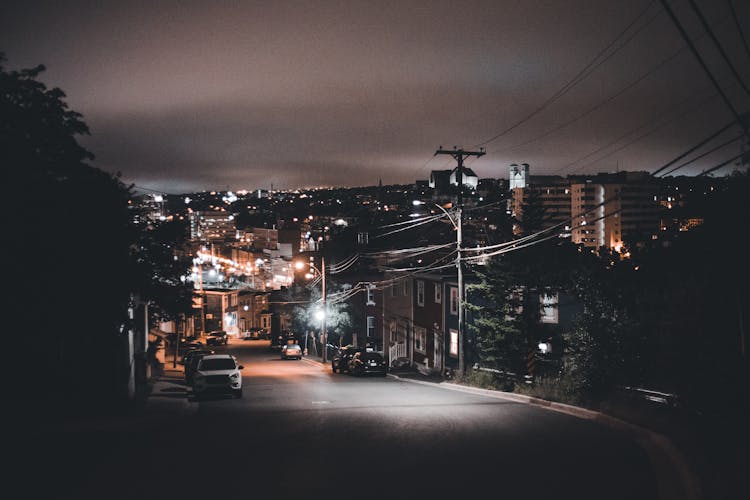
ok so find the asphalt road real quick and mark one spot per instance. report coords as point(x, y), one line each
point(301, 431)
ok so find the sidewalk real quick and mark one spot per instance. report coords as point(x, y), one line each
point(168, 393)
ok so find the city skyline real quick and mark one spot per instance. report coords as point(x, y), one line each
point(191, 97)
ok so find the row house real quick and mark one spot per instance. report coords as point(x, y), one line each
point(220, 310)
point(421, 323)
point(253, 310)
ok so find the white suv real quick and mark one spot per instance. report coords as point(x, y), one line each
point(218, 373)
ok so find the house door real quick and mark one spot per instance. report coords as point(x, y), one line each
point(438, 352)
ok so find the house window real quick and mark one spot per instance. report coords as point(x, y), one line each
point(420, 293)
point(454, 343)
point(233, 300)
point(549, 308)
point(371, 326)
point(454, 301)
point(420, 339)
point(438, 293)
point(515, 303)
point(370, 295)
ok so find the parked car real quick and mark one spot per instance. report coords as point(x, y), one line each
point(190, 362)
point(255, 333)
point(187, 344)
point(340, 360)
point(218, 337)
point(217, 373)
point(368, 363)
point(291, 351)
point(281, 339)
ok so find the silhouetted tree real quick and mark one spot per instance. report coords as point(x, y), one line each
point(73, 254)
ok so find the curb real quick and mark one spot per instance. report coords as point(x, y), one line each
point(675, 478)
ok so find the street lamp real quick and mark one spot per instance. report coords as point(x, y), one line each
point(324, 311)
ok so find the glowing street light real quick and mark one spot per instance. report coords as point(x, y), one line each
point(320, 314)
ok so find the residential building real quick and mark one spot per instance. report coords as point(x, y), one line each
point(220, 310)
point(601, 210)
point(212, 226)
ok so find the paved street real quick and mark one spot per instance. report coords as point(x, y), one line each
point(302, 431)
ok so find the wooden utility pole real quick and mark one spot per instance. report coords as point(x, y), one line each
point(459, 155)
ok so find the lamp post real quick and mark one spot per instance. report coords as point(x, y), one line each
point(322, 273)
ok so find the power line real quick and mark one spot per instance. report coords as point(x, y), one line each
point(722, 164)
point(632, 131)
point(704, 141)
point(710, 75)
point(716, 148)
point(582, 74)
point(718, 45)
point(739, 28)
point(596, 106)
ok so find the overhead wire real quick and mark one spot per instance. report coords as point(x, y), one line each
point(581, 75)
point(703, 65)
point(427, 218)
point(424, 221)
point(739, 28)
point(653, 129)
point(694, 148)
point(718, 45)
point(722, 164)
point(714, 149)
point(599, 105)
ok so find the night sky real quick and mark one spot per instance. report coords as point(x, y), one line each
point(194, 95)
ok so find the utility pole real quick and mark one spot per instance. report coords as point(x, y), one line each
point(323, 334)
point(459, 155)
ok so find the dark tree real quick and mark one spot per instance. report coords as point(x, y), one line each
point(74, 254)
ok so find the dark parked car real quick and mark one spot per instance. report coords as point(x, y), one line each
point(281, 339)
point(254, 333)
point(218, 337)
point(188, 344)
point(340, 360)
point(368, 363)
point(190, 361)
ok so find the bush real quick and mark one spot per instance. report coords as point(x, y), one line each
point(487, 380)
point(559, 389)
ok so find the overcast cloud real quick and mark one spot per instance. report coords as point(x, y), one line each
point(185, 96)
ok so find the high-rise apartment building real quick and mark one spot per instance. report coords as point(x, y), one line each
point(212, 225)
point(601, 210)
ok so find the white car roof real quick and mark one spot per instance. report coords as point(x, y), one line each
point(218, 356)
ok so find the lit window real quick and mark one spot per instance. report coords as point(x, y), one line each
point(371, 326)
point(549, 311)
point(454, 343)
